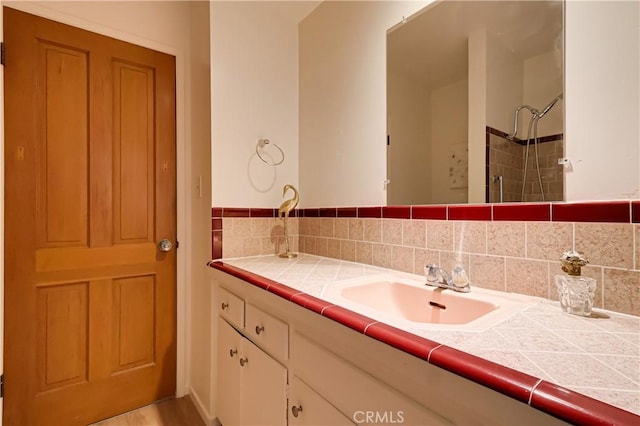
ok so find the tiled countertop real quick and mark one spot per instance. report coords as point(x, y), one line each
point(554, 359)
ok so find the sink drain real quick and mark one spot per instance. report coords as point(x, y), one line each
point(438, 305)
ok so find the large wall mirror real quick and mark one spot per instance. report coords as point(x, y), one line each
point(475, 109)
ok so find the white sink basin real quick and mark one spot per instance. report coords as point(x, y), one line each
point(406, 302)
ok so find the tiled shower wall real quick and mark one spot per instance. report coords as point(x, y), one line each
point(506, 159)
point(514, 248)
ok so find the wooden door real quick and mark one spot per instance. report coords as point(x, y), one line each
point(90, 318)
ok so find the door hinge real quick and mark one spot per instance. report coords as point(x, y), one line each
point(1, 53)
point(2, 386)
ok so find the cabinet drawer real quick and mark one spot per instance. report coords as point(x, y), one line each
point(268, 332)
point(231, 308)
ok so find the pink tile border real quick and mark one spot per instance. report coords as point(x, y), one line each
point(400, 339)
point(635, 211)
point(216, 244)
point(262, 212)
point(346, 317)
point(310, 213)
point(597, 211)
point(396, 212)
point(576, 408)
point(429, 212)
point(347, 212)
point(522, 212)
point(310, 302)
point(283, 291)
point(235, 212)
point(470, 212)
point(327, 212)
point(613, 211)
point(547, 397)
point(505, 380)
point(370, 212)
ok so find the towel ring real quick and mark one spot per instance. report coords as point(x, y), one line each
point(261, 144)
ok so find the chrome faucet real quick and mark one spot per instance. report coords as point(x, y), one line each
point(438, 277)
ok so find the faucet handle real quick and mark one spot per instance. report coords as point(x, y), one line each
point(434, 274)
point(459, 277)
point(430, 272)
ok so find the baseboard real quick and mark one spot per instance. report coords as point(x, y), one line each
point(206, 417)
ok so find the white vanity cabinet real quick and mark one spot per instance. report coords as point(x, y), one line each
point(307, 407)
point(229, 374)
point(252, 386)
point(357, 394)
point(335, 375)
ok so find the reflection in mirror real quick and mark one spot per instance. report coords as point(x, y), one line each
point(475, 103)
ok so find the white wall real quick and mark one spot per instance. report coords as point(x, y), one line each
point(254, 54)
point(409, 151)
point(343, 101)
point(505, 75)
point(542, 83)
point(449, 117)
point(477, 49)
point(602, 91)
point(165, 26)
point(200, 351)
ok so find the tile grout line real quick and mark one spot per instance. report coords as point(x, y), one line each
point(432, 351)
point(369, 325)
point(533, 389)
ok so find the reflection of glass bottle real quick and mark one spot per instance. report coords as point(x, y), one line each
point(575, 292)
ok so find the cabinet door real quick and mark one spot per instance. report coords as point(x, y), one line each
point(264, 383)
point(309, 408)
point(229, 377)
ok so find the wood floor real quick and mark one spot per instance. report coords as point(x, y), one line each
point(170, 412)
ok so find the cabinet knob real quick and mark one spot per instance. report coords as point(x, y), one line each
point(244, 361)
point(232, 352)
point(295, 410)
point(224, 305)
point(259, 329)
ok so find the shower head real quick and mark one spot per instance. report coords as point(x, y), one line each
point(550, 105)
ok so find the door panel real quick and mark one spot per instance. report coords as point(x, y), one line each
point(133, 152)
point(89, 190)
point(133, 325)
point(61, 157)
point(62, 335)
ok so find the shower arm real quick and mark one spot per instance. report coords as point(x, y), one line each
point(531, 109)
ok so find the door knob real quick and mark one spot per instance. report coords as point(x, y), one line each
point(165, 245)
